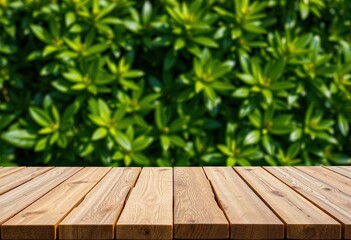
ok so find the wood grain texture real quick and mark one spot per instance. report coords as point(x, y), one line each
point(241, 206)
point(95, 217)
point(343, 170)
point(303, 220)
point(19, 198)
point(40, 220)
point(8, 170)
point(148, 212)
point(19, 177)
point(332, 198)
point(196, 212)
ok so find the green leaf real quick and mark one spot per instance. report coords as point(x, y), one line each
point(165, 142)
point(41, 33)
point(73, 75)
point(178, 141)
point(104, 110)
point(96, 49)
point(99, 133)
point(241, 92)
point(140, 159)
point(134, 74)
point(252, 137)
point(21, 138)
point(141, 143)
point(40, 116)
point(123, 141)
point(268, 144)
point(5, 120)
point(55, 113)
point(146, 13)
point(205, 41)
point(41, 144)
point(160, 116)
point(98, 120)
point(224, 149)
point(343, 125)
point(296, 135)
point(231, 162)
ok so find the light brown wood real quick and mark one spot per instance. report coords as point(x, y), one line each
point(95, 217)
point(196, 212)
point(8, 170)
point(19, 198)
point(303, 220)
point(343, 170)
point(148, 212)
point(327, 195)
point(19, 177)
point(40, 220)
point(241, 206)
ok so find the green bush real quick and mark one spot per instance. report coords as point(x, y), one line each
point(167, 82)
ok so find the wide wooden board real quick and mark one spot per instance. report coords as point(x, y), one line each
point(249, 216)
point(19, 198)
point(303, 219)
point(148, 212)
point(8, 170)
point(19, 177)
point(95, 217)
point(332, 198)
point(196, 212)
point(40, 220)
point(343, 170)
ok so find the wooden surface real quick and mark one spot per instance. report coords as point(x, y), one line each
point(19, 177)
point(21, 197)
point(39, 220)
point(330, 195)
point(240, 205)
point(196, 212)
point(303, 220)
point(343, 170)
point(175, 203)
point(4, 171)
point(95, 217)
point(148, 213)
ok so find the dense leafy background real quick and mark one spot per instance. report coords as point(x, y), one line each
point(167, 82)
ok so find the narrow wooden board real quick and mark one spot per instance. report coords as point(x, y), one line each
point(8, 170)
point(196, 212)
point(332, 198)
point(95, 217)
point(19, 198)
point(241, 205)
point(18, 178)
point(148, 212)
point(303, 220)
point(343, 170)
point(40, 220)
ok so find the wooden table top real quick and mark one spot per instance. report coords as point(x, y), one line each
point(175, 203)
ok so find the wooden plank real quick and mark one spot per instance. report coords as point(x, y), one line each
point(148, 212)
point(343, 170)
point(196, 212)
point(18, 178)
point(303, 220)
point(8, 170)
point(19, 198)
point(40, 220)
point(95, 217)
point(331, 197)
point(248, 215)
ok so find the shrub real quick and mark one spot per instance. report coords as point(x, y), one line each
point(167, 82)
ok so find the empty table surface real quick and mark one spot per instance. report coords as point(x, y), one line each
point(175, 203)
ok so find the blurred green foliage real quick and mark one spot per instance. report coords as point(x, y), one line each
point(168, 82)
